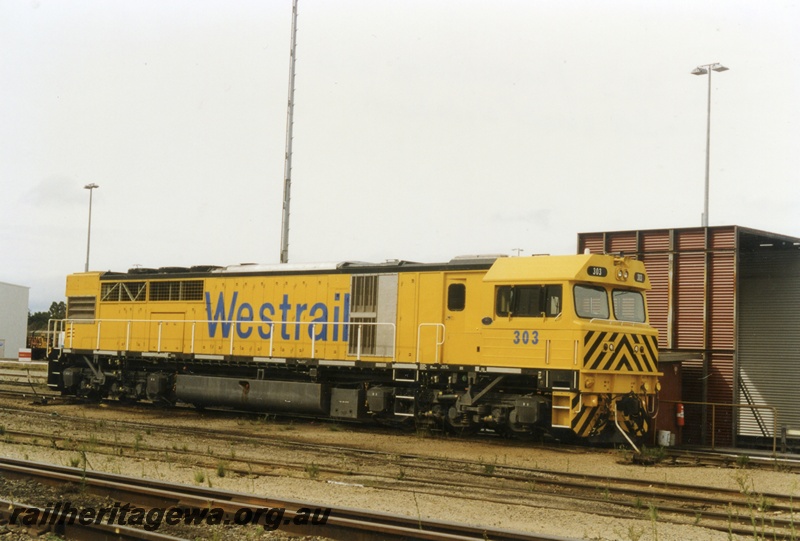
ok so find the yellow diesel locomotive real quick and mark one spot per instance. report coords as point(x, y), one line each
point(518, 345)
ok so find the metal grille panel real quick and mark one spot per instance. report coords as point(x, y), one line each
point(721, 327)
point(690, 300)
point(623, 242)
point(690, 240)
point(655, 241)
point(81, 307)
point(176, 290)
point(658, 297)
point(591, 242)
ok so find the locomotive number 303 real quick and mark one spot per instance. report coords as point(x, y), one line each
point(526, 337)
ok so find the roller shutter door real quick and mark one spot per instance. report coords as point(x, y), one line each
point(769, 339)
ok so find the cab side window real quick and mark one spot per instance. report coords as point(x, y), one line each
point(456, 297)
point(528, 301)
point(552, 300)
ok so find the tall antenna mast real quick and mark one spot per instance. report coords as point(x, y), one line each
point(287, 168)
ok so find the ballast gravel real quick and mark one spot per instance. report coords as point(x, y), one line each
point(526, 516)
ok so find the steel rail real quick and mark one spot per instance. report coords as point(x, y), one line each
point(342, 523)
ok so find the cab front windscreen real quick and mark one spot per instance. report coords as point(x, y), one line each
point(628, 305)
point(591, 302)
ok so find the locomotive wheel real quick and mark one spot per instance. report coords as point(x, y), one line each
point(459, 423)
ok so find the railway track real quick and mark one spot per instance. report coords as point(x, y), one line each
point(335, 523)
point(731, 511)
point(28, 381)
point(728, 510)
point(729, 459)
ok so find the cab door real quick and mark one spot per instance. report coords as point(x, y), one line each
point(461, 319)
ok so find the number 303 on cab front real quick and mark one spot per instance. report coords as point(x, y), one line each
point(526, 337)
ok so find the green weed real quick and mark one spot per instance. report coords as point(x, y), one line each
point(312, 470)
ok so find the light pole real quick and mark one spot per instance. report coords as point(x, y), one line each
point(89, 187)
point(287, 167)
point(703, 70)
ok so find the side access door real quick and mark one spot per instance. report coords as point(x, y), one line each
point(462, 318)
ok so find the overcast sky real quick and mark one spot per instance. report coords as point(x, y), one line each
point(423, 129)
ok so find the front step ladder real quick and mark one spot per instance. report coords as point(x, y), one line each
point(561, 414)
point(409, 375)
point(405, 405)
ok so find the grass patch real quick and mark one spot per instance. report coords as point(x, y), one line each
point(312, 470)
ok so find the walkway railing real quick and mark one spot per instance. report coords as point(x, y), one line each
point(62, 334)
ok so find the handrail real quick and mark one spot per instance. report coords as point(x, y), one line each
point(60, 327)
point(438, 342)
point(722, 404)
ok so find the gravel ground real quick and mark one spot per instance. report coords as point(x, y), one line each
point(354, 494)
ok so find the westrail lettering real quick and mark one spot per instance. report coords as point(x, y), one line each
point(318, 321)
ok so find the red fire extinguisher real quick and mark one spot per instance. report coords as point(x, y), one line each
point(679, 416)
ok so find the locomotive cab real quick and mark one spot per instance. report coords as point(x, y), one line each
point(588, 335)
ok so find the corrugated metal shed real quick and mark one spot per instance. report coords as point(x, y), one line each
point(13, 319)
point(728, 300)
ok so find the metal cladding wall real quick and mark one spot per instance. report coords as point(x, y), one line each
point(694, 303)
point(13, 319)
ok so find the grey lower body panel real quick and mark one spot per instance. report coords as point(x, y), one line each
point(252, 394)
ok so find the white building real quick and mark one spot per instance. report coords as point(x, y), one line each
point(13, 319)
